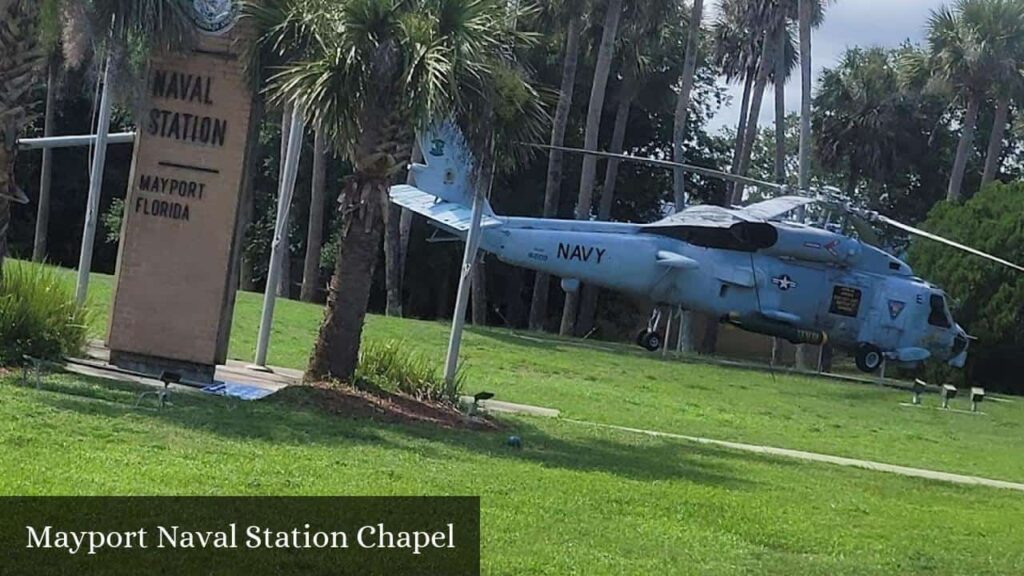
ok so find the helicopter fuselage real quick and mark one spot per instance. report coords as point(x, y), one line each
point(808, 281)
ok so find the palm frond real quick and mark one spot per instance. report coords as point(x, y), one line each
point(408, 59)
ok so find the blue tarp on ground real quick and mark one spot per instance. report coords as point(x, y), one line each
point(235, 390)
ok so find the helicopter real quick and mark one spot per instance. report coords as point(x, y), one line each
point(750, 266)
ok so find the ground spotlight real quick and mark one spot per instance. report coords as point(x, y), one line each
point(977, 395)
point(477, 398)
point(918, 389)
point(948, 393)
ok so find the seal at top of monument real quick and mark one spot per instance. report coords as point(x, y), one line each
point(215, 16)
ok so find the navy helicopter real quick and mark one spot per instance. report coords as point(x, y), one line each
point(747, 266)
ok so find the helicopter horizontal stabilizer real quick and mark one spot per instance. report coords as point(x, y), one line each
point(451, 216)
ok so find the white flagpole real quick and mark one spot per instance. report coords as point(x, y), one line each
point(279, 247)
point(99, 159)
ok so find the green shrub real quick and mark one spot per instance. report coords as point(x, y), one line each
point(392, 366)
point(989, 298)
point(38, 314)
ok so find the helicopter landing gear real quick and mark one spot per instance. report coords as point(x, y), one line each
point(649, 337)
point(869, 358)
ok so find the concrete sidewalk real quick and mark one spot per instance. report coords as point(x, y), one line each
point(823, 458)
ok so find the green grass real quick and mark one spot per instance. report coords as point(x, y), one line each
point(576, 499)
point(622, 385)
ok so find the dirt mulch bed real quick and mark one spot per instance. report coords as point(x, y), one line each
point(379, 405)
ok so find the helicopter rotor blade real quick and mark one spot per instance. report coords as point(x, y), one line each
point(865, 230)
point(924, 234)
point(860, 219)
point(710, 172)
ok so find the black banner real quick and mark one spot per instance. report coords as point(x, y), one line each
point(239, 535)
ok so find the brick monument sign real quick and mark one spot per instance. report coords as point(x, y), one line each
point(175, 287)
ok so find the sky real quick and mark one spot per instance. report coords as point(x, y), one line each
point(847, 23)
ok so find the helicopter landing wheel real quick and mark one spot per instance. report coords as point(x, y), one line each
point(649, 340)
point(869, 358)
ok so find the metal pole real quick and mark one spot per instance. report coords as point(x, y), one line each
point(73, 141)
point(279, 247)
point(668, 334)
point(451, 365)
point(99, 159)
point(679, 336)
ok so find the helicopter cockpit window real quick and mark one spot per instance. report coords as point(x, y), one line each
point(938, 315)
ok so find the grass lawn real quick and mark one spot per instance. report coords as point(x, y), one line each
point(623, 385)
point(576, 499)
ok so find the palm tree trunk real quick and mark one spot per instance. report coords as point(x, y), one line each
point(963, 150)
point(627, 92)
point(602, 69)
point(284, 285)
point(995, 141)
point(552, 187)
point(805, 92)
point(805, 357)
point(315, 233)
point(683, 102)
point(392, 259)
point(741, 128)
point(336, 352)
point(43, 210)
point(760, 83)
point(382, 135)
point(780, 105)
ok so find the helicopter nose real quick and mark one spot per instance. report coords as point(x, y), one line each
point(958, 353)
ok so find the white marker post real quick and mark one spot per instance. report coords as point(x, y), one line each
point(99, 160)
point(451, 364)
point(279, 247)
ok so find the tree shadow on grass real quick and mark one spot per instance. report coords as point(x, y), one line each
point(549, 443)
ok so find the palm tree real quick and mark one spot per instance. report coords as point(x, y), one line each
point(1005, 20)
point(780, 75)
point(602, 69)
point(960, 42)
point(810, 14)
point(771, 22)
point(650, 44)
point(377, 70)
point(53, 68)
point(574, 15)
point(858, 112)
point(683, 102)
point(735, 56)
point(20, 67)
